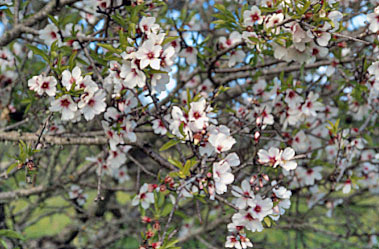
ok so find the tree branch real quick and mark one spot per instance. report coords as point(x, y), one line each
point(18, 29)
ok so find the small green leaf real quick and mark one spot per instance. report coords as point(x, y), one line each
point(175, 162)
point(267, 220)
point(161, 199)
point(171, 243)
point(11, 167)
point(169, 144)
point(220, 7)
point(39, 52)
point(169, 39)
point(10, 234)
point(188, 98)
point(4, 244)
point(189, 164)
point(71, 61)
point(153, 71)
point(166, 209)
point(110, 48)
point(181, 129)
point(53, 20)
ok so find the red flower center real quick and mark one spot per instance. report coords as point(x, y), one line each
point(257, 209)
point(254, 17)
point(91, 102)
point(272, 160)
point(189, 50)
point(249, 217)
point(53, 35)
point(45, 85)
point(196, 115)
point(150, 55)
point(103, 5)
point(65, 103)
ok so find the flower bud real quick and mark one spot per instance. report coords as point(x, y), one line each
point(257, 135)
point(266, 177)
point(253, 178)
point(168, 180)
point(156, 225)
point(276, 209)
point(146, 219)
point(162, 188)
point(149, 234)
point(260, 183)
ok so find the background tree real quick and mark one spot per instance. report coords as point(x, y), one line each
point(189, 124)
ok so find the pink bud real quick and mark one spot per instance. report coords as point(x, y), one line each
point(257, 135)
point(162, 188)
point(276, 209)
point(253, 178)
point(151, 187)
point(146, 219)
point(265, 177)
point(258, 122)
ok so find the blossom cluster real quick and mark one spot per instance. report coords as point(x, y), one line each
point(295, 127)
point(78, 95)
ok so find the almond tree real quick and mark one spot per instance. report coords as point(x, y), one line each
point(189, 124)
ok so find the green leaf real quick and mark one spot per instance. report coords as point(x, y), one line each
point(10, 234)
point(161, 199)
point(153, 71)
point(120, 20)
point(254, 39)
point(267, 220)
point(173, 174)
point(166, 209)
point(4, 244)
point(11, 167)
point(71, 61)
point(175, 162)
point(218, 22)
point(39, 52)
point(53, 20)
point(123, 39)
point(189, 164)
point(181, 129)
point(169, 144)
point(183, 13)
point(171, 243)
point(132, 29)
point(110, 48)
point(188, 98)
point(169, 39)
point(220, 7)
